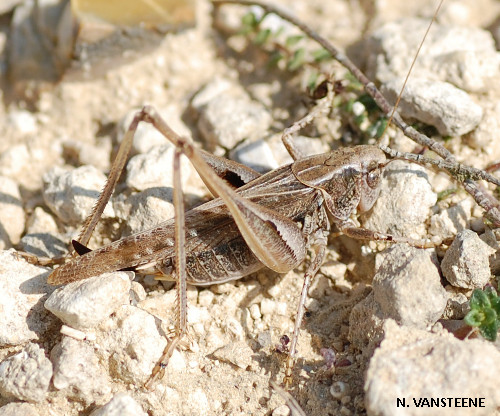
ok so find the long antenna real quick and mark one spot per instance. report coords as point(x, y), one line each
point(436, 12)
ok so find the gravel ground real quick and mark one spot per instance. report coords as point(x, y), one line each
point(380, 320)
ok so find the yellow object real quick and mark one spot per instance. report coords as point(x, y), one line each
point(134, 12)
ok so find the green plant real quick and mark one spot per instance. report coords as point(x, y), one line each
point(446, 193)
point(485, 312)
point(289, 52)
point(289, 49)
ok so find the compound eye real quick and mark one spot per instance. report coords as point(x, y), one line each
point(373, 178)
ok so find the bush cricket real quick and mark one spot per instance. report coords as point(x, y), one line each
point(257, 220)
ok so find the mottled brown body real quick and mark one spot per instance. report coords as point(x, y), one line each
point(215, 249)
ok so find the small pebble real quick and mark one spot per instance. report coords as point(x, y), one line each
point(449, 222)
point(431, 365)
point(255, 311)
point(256, 154)
point(267, 306)
point(274, 292)
point(199, 329)
point(197, 314)
point(154, 169)
point(71, 194)
point(19, 409)
point(26, 375)
point(12, 217)
point(205, 298)
point(440, 104)
point(131, 333)
point(282, 410)
point(197, 403)
point(237, 353)
point(407, 286)
point(40, 221)
point(462, 55)
point(121, 405)
point(77, 369)
point(24, 121)
point(338, 390)
point(177, 362)
point(406, 198)
point(146, 136)
point(281, 308)
point(85, 303)
point(214, 340)
point(137, 293)
point(264, 339)
point(76, 334)
point(228, 115)
point(344, 411)
point(466, 262)
point(22, 287)
point(150, 281)
point(233, 327)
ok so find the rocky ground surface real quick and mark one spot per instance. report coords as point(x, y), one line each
point(380, 320)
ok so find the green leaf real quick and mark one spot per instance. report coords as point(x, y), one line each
point(250, 20)
point(349, 105)
point(377, 129)
point(474, 318)
point(368, 102)
point(495, 305)
point(489, 331)
point(249, 23)
point(262, 36)
point(278, 32)
point(382, 126)
point(490, 316)
point(275, 57)
point(485, 308)
point(293, 40)
point(446, 193)
point(479, 300)
point(321, 55)
point(337, 101)
point(297, 60)
point(490, 292)
point(312, 81)
point(360, 119)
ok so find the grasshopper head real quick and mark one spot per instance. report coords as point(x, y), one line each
point(348, 177)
